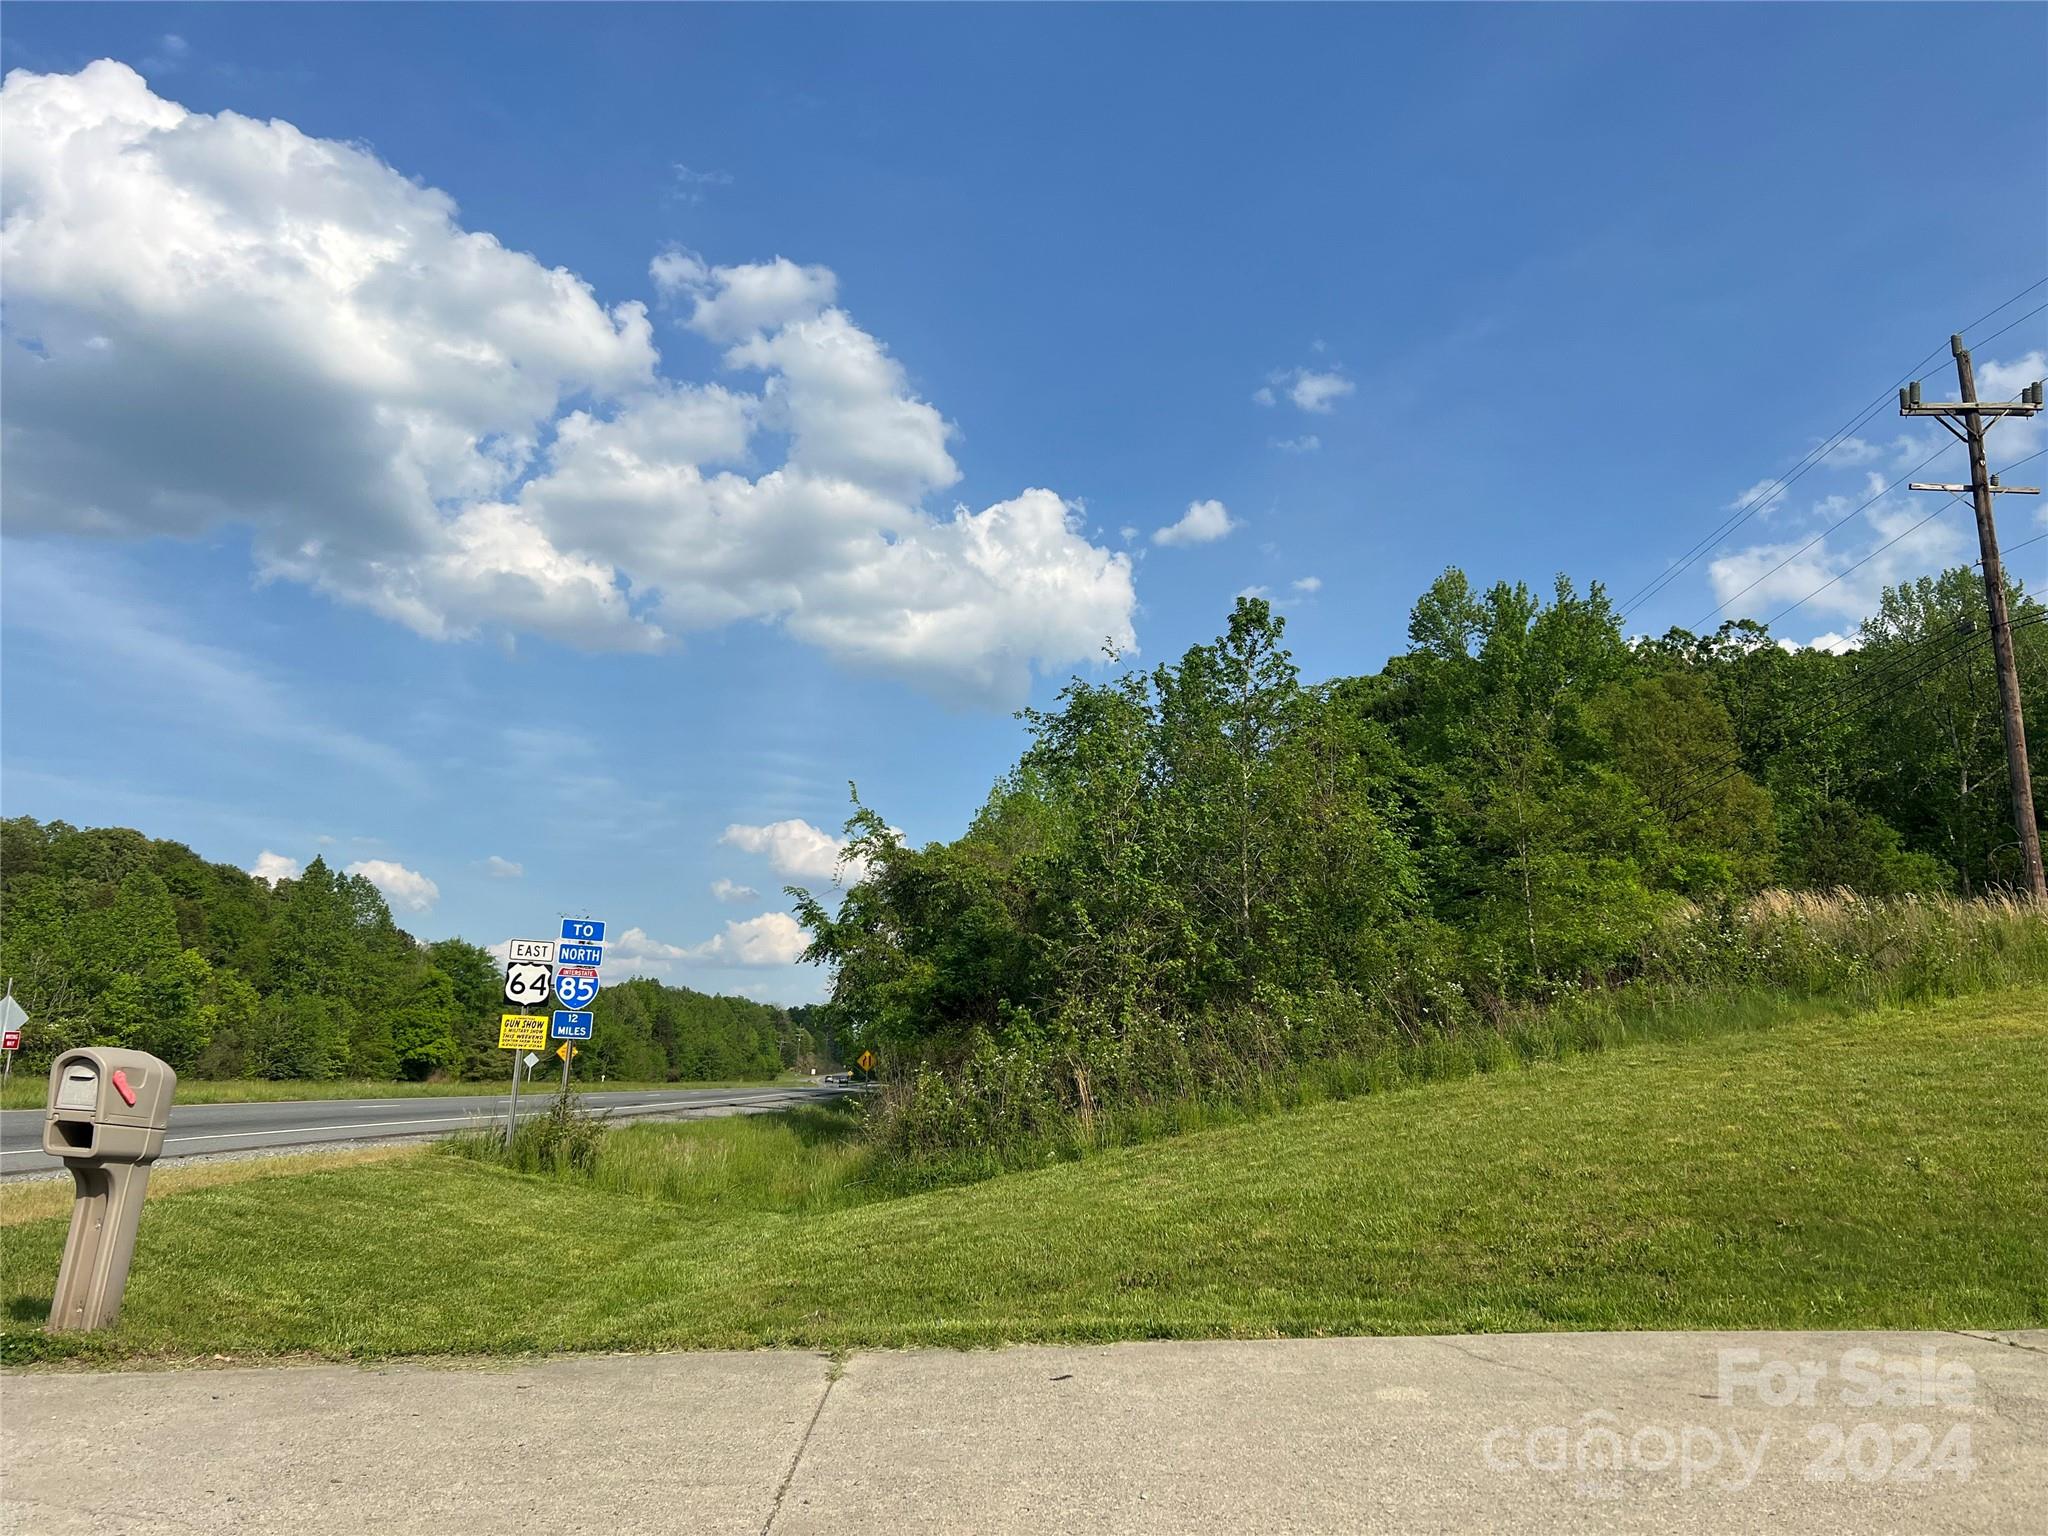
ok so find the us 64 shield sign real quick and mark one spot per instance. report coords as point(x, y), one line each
point(576, 985)
point(528, 982)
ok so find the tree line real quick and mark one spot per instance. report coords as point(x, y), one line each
point(1502, 813)
point(114, 938)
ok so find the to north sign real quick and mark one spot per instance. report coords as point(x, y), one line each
point(583, 930)
point(570, 953)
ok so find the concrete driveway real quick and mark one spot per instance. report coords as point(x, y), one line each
point(1822, 1432)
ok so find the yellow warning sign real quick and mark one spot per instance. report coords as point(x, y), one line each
point(522, 1031)
point(867, 1061)
point(565, 1050)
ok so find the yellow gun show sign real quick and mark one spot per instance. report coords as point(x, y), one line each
point(522, 1031)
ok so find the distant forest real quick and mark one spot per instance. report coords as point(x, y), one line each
point(114, 938)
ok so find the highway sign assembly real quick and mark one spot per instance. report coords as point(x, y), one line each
point(528, 982)
point(522, 1031)
point(583, 930)
point(576, 985)
point(571, 1024)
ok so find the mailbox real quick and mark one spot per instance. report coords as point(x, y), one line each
point(105, 1118)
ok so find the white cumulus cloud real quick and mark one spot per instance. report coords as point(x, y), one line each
point(503, 869)
point(216, 320)
point(634, 951)
point(1204, 522)
point(402, 887)
point(773, 938)
point(1313, 390)
point(733, 891)
point(274, 867)
point(1308, 584)
point(796, 848)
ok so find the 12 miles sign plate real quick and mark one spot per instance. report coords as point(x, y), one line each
point(571, 1024)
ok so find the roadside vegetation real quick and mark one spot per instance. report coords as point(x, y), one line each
point(1214, 882)
point(1878, 1169)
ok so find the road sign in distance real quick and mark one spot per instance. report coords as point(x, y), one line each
point(528, 983)
point(12, 1014)
point(867, 1061)
point(11, 1041)
point(571, 1024)
point(576, 985)
point(565, 1050)
point(533, 1060)
point(583, 930)
point(542, 950)
point(570, 953)
point(522, 1031)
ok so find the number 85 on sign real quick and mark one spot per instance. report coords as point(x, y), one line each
point(576, 985)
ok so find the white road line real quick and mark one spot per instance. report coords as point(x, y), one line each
point(381, 1125)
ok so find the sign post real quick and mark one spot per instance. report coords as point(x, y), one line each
point(529, 978)
point(12, 1017)
point(519, 1032)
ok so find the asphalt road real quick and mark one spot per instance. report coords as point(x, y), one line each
point(199, 1129)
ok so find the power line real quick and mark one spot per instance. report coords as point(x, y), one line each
point(1757, 501)
point(2022, 320)
point(1955, 501)
point(2023, 543)
point(1817, 538)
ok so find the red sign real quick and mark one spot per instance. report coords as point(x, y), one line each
point(11, 1041)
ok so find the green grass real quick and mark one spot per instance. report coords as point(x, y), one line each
point(28, 1091)
point(1886, 1169)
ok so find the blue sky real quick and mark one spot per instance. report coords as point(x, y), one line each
point(610, 549)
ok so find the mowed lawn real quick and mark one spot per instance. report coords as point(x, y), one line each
point(1883, 1170)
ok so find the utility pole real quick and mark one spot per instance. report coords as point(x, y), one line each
point(1976, 417)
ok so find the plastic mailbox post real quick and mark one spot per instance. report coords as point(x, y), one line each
point(105, 1118)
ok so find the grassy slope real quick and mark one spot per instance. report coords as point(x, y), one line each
point(1887, 1170)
